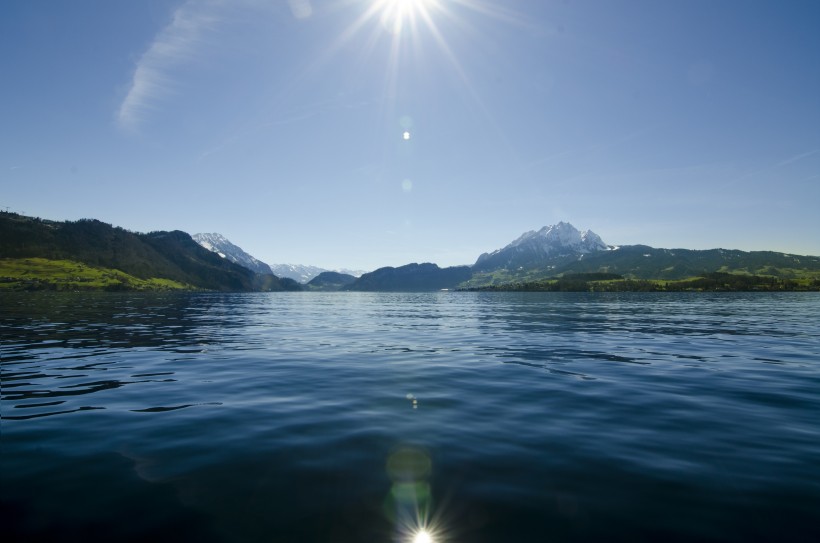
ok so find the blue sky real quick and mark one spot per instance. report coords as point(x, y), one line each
point(281, 123)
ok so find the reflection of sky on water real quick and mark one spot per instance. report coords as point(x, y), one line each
point(368, 417)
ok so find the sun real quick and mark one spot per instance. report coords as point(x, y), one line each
point(423, 536)
point(395, 14)
point(410, 38)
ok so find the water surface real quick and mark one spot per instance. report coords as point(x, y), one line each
point(360, 417)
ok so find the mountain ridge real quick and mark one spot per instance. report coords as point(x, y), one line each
point(330, 281)
point(532, 248)
point(301, 273)
point(222, 246)
point(174, 259)
point(168, 255)
point(411, 278)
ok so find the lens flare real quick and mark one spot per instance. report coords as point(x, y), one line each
point(395, 13)
point(423, 536)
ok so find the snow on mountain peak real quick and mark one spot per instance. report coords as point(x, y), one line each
point(554, 240)
point(593, 241)
point(561, 236)
point(219, 244)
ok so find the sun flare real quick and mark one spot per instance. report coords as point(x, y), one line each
point(396, 13)
point(422, 536)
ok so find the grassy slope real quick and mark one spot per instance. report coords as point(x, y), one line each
point(640, 262)
point(173, 256)
point(45, 274)
point(716, 281)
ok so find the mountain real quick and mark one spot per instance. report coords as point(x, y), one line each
point(412, 278)
point(220, 245)
point(347, 271)
point(644, 262)
point(562, 250)
point(172, 256)
point(330, 281)
point(304, 274)
point(297, 272)
point(549, 246)
point(89, 254)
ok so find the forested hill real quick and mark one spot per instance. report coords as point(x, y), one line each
point(171, 256)
point(411, 278)
point(643, 262)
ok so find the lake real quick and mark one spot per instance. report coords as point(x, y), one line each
point(474, 417)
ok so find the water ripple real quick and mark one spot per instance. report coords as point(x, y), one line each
point(259, 417)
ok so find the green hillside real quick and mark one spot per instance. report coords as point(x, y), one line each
point(411, 278)
point(330, 281)
point(641, 262)
point(89, 254)
point(606, 282)
point(167, 256)
point(44, 274)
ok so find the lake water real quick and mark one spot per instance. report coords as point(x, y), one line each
point(480, 417)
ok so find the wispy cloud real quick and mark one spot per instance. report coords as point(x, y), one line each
point(772, 167)
point(178, 43)
point(801, 156)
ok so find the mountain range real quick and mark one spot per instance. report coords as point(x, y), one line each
point(115, 258)
point(43, 254)
point(533, 248)
point(220, 245)
point(412, 278)
point(562, 249)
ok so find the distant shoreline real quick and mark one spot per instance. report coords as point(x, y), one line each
point(710, 282)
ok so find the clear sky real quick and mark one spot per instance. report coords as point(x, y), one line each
point(366, 133)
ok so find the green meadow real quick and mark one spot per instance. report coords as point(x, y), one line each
point(45, 274)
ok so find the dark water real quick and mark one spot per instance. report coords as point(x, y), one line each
point(358, 417)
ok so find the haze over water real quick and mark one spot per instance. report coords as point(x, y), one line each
point(363, 417)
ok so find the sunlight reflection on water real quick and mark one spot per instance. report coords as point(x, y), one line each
point(357, 417)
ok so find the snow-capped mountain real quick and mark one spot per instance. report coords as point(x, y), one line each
point(299, 272)
point(347, 271)
point(305, 274)
point(220, 245)
point(536, 248)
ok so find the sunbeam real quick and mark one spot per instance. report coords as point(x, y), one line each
point(395, 13)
